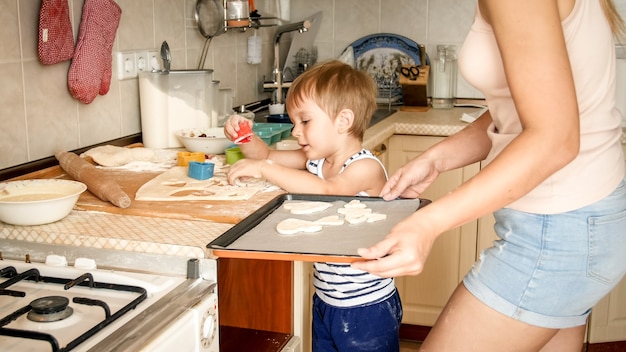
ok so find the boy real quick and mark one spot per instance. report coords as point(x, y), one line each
point(330, 106)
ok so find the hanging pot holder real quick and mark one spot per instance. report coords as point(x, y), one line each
point(56, 40)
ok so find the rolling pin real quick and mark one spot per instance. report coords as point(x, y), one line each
point(97, 181)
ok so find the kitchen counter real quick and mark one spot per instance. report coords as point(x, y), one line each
point(187, 236)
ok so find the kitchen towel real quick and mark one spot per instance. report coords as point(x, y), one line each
point(90, 71)
point(56, 40)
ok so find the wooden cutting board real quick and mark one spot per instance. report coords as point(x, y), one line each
point(230, 211)
point(174, 185)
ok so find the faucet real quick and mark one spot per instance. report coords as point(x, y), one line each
point(278, 83)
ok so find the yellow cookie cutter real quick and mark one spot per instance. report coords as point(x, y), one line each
point(183, 158)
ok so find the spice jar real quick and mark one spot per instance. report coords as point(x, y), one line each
point(444, 77)
point(237, 13)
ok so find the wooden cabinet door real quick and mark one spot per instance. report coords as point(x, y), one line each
point(424, 296)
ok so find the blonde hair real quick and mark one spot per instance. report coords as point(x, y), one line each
point(615, 20)
point(334, 86)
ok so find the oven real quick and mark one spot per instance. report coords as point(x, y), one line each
point(68, 298)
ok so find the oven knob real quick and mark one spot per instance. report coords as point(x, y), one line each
point(85, 264)
point(209, 327)
point(56, 260)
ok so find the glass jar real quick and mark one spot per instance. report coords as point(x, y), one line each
point(444, 77)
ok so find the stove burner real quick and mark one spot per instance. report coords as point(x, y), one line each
point(49, 309)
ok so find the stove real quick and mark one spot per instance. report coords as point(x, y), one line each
point(62, 298)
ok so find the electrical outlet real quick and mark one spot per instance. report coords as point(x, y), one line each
point(154, 61)
point(142, 62)
point(131, 63)
point(126, 65)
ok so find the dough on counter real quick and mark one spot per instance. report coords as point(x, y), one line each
point(293, 226)
point(306, 207)
point(110, 155)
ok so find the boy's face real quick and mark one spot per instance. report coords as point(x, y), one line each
point(314, 129)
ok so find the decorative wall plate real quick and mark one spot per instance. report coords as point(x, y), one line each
point(381, 55)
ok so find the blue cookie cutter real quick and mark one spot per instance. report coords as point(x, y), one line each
point(200, 171)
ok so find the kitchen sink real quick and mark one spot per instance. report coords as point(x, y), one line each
point(380, 114)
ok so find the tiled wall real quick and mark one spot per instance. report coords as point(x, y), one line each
point(38, 116)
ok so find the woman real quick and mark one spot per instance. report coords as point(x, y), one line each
point(554, 178)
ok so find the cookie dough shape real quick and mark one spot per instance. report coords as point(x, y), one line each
point(301, 208)
point(331, 220)
point(373, 217)
point(355, 203)
point(293, 226)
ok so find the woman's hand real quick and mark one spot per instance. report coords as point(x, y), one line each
point(411, 180)
point(403, 251)
point(231, 127)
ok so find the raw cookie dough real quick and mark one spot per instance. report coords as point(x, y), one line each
point(292, 226)
point(110, 155)
point(331, 220)
point(307, 207)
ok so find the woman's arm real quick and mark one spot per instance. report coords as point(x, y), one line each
point(463, 148)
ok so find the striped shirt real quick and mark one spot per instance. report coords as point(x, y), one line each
point(338, 284)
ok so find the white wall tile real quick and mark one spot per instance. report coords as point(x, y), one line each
point(39, 116)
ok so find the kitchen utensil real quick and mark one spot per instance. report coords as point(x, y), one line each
point(245, 133)
point(97, 182)
point(233, 155)
point(209, 16)
point(200, 170)
point(256, 237)
point(184, 158)
point(414, 81)
point(410, 72)
point(38, 201)
point(166, 56)
point(206, 140)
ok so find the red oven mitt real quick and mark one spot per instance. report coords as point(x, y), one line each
point(56, 40)
point(90, 71)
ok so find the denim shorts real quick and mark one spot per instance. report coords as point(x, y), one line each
point(550, 270)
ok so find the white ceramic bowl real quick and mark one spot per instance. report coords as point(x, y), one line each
point(205, 140)
point(37, 202)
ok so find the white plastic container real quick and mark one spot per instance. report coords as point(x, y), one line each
point(173, 101)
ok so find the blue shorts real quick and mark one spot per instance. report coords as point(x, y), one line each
point(373, 327)
point(549, 270)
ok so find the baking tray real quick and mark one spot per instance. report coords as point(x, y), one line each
point(255, 237)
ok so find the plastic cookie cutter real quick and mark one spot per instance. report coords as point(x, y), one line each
point(183, 158)
point(200, 171)
point(245, 133)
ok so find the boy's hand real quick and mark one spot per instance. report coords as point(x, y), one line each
point(231, 127)
point(245, 167)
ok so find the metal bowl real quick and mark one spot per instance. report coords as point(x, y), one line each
point(205, 140)
point(38, 202)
